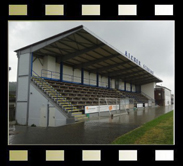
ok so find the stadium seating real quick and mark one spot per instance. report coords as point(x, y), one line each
point(83, 95)
point(73, 98)
point(139, 98)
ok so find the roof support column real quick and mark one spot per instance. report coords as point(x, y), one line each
point(97, 79)
point(109, 82)
point(31, 63)
point(131, 87)
point(61, 71)
point(124, 85)
point(82, 76)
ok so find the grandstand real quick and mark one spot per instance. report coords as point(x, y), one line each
point(61, 76)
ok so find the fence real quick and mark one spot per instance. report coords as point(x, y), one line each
point(71, 78)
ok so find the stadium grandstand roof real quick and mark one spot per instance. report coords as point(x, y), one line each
point(81, 48)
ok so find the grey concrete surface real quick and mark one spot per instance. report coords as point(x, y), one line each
point(96, 130)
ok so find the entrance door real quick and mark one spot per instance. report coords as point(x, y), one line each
point(51, 117)
point(43, 116)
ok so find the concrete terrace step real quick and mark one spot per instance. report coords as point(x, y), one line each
point(61, 101)
point(80, 115)
point(74, 110)
point(76, 113)
point(81, 118)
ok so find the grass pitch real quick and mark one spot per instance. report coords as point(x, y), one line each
point(157, 131)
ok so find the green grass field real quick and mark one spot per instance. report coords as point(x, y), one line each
point(157, 131)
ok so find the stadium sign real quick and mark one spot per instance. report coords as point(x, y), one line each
point(135, 60)
point(147, 69)
point(103, 108)
point(132, 58)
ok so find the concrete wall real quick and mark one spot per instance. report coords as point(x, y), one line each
point(77, 75)
point(113, 83)
point(133, 88)
point(148, 89)
point(38, 107)
point(103, 81)
point(49, 63)
point(23, 85)
point(128, 87)
point(57, 67)
point(121, 85)
point(68, 73)
point(86, 77)
point(93, 79)
point(37, 66)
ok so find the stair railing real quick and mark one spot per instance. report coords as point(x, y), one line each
point(51, 88)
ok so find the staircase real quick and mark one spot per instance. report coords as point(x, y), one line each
point(62, 102)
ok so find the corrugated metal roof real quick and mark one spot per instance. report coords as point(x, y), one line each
point(82, 49)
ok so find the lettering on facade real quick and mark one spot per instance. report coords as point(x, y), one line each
point(135, 60)
point(132, 58)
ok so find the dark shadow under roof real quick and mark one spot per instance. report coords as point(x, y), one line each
point(81, 48)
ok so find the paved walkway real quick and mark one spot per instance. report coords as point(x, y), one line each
point(93, 131)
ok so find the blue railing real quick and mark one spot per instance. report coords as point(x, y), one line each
point(51, 88)
point(50, 74)
point(71, 78)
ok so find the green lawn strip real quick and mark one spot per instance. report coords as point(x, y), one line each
point(157, 131)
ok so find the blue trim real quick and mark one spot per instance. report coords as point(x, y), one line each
point(89, 85)
point(61, 71)
point(46, 78)
point(131, 87)
point(103, 87)
point(82, 76)
point(109, 83)
point(72, 82)
point(97, 80)
point(31, 63)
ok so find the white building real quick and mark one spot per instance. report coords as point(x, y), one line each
point(162, 95)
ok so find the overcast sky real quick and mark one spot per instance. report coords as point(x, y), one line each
point(151, 42)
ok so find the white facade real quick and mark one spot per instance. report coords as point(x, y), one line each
point(128, 87)
point(37, 65)
point(167, 97)
point(46, 67)
point(49, 64)
point(86, 77)
point(38, 110)
point(148, 89)
point(67, 73)
point(103, 81)
point(93, 79)
point(23, 82)
point(133, 88)
point(77, 75)
point(113, 83)
point(121, 85)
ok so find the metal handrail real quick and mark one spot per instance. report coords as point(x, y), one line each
point(53, 90)
point(49, 72)
point(57, 74)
